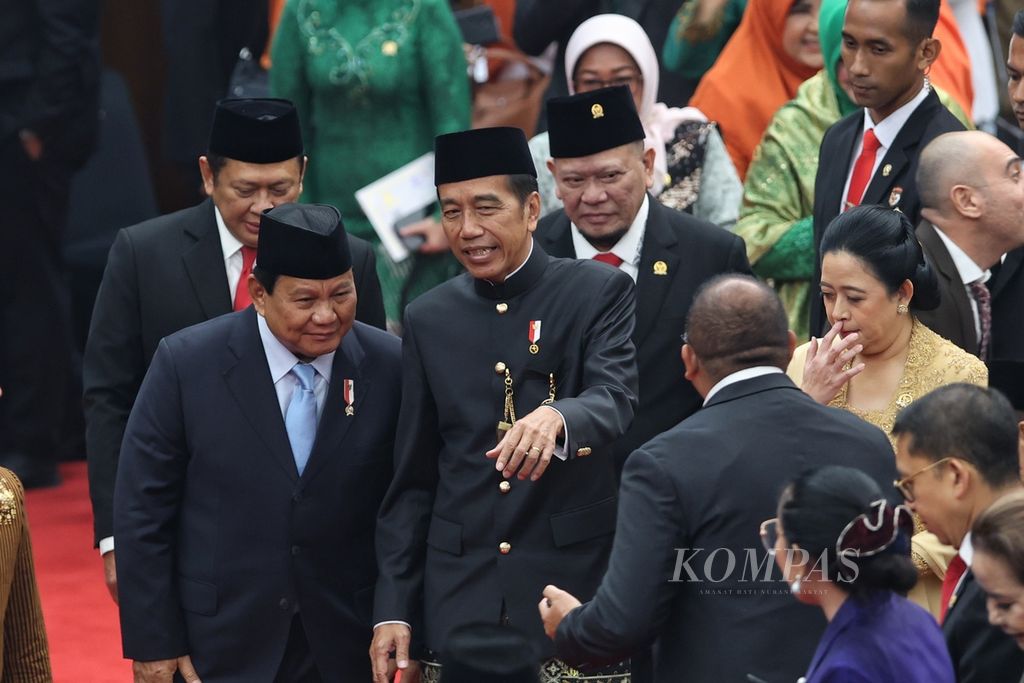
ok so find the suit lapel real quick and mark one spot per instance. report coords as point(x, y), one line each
point(334, 423)
point(248, 379)
point(881, 188)
point(204, 263)
point(939, 255)
point(846, 141)
point(653, 284)
point(1014, 262)
point(556, 237)
point(840, 622)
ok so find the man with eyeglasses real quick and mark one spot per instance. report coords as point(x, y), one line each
point(956, 452)
point(693, 497)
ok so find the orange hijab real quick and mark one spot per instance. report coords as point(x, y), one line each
point(752, 78)
point(952, 70)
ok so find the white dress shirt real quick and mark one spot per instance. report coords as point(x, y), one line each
point(232, 250)
point(886, 131)
point(627, 248)
point(969, 272)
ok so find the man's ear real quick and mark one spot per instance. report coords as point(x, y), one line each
point(690, 361)
point(207, 173)
point(258, 294)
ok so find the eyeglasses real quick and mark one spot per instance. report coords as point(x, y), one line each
point(770, 533)
point(903, 485)
point(588, 84)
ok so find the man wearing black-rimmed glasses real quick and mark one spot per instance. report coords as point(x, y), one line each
point(956, 452)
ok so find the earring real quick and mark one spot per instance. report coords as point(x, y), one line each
point(902, 309)
point(794, 587)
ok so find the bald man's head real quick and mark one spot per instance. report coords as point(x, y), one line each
point(965, 158)
point(737, 322)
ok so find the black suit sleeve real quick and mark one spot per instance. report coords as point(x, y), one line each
point(603, 411)
point(370, 303)
point(635, 595)
point(150, 482)
point(405, 512)
point(112, 371)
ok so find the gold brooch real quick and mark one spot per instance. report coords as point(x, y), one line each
point(660, 268)
point(597, 111)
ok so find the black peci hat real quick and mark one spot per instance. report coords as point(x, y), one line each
point(592, 122)
point(480, 153)
point(303, 240)
point(489, 652)
point(258, 131)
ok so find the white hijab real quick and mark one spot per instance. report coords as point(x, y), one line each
point(659, 121)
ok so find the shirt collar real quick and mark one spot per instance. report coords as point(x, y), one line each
point(281, 360)
point(629, 245)
point(966, 549)
point(229, 244)
point(965, 265)
point(741, 375)
point(888, 128)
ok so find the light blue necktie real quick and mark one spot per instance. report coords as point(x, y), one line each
point(300, 418)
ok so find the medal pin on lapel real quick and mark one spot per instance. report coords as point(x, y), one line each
point(350, 397)
point(894, 197)
point(886, 170)
point(534, 336)
point(660, 268)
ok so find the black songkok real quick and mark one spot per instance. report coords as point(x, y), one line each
point(1008, 377)
point(489, 652)
point(303, 240)
point(257, 131)
point(592, 122)
point(480, 153)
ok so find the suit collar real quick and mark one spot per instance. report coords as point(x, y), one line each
point(204, 261)
point(1013, 263)
point(659, 266)
point(749, 387)
point(519, 282)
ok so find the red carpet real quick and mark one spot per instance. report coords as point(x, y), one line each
point(81, 619)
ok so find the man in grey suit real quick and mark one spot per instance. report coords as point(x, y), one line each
point(695, 496)
point(973, 213)
point(175, 271)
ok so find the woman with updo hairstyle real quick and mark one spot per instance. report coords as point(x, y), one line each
point(877, 358)
point(844, 548)
point(998, 563)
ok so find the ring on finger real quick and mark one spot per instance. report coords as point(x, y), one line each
point(535, 448)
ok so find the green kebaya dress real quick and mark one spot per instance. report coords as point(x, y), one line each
point(374, 81)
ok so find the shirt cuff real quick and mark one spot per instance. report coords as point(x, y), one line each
point(106, 545)
point(560, 449)
point(403, 623)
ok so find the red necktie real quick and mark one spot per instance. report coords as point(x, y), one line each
point(954, 571)
point(609, 258)
point(862, 169)
point(242, 298)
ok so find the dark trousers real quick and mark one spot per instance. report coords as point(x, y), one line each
point(297, 665)
point(35, 337)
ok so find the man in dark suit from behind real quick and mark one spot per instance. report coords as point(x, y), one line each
point(253, 464)
point(602, 179)
point(168, 273)
point(871, 156)
point(956, 451)
point(49, 93)
point(973, 213)
point(1007, 285)
point(703, 488)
